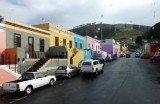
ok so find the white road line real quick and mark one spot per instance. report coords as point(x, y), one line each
point(17, 99)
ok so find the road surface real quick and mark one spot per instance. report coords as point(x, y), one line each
point(124, 81)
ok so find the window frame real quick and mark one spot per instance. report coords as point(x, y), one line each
point(56, 41)
point(70, 44)
point(41, 46)
point(17, 43)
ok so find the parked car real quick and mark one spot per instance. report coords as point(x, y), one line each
point(67, 71)
point(80, 64)
point(122, 55)
point(27, 82)
point(109, 59)
point(101, 60)
point(155, 59)
point(137, 54)
point(113, 58)
point(91, 66)
point(128, 55)
point(144, 56)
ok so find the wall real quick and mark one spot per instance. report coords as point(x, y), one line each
point(56, 31)
point(87, 54)
point(24, 39)
point(51, 67)
point(10, 54)
point(78, 57)
point(80, 40)
point(93, 43)
point(107, 48)
point(2, 43)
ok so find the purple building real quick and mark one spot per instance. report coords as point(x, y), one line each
point(110, 47)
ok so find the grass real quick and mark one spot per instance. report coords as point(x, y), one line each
point(128, 34)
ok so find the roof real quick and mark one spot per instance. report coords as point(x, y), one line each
point(18, 24)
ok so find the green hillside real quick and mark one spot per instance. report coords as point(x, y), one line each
point(128, 34)
point(116, 31)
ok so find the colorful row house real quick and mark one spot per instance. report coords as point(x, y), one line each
point(20, 41)
point(111, 47)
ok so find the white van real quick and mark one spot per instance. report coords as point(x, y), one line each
point(91, 66)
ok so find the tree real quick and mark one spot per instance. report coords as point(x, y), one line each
point(139, 40)
point(153, 33)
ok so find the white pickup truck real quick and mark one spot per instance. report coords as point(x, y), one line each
point(91, 66)
point(27, 82)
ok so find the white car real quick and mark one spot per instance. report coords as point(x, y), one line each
point(27, 82)
point(91, 66)
point(67, 71)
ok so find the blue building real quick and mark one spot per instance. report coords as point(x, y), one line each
point(78, 41)
point(87, 54)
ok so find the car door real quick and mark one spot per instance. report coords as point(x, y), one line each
point(100, 64)
point(75, 70)
point(40, 79)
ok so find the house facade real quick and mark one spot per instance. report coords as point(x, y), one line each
point(111, 47)
point(78, 41)
point(91, 43)
point(21, 41)
point(64, 38)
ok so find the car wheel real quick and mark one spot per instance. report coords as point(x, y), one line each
point(102, 70)
point(96, 73)
point(51, 82)
point(28, 90)
point(69, 75)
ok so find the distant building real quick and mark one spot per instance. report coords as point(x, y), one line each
point(111, 47)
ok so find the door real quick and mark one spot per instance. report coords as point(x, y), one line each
point(30, 46)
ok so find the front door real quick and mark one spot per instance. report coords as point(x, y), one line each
point(30, 46)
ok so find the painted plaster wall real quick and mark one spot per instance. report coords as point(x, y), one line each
point(80, 40)
point(56, 31)
point(2, 43)
point(91, 43)
point(87, 54)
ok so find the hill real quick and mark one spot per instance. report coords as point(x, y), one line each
point(117, 31)
point(128, 34)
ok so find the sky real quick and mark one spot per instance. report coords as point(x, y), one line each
point(71, 13)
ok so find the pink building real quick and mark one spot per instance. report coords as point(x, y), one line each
point(91, 43)
point(2, 40)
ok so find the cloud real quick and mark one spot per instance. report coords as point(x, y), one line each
point(71, 13)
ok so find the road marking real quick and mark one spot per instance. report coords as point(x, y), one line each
point(17, 99)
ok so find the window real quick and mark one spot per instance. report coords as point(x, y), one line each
point(17, 40)
point(70, 44)
point(41, 45)
point(81, 45)
point(76, 45)
point(39, 75)
point(56, 41)
point(64, 42)
point(88, 45)
point(95, 63)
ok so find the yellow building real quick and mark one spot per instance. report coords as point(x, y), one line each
point(62, 37)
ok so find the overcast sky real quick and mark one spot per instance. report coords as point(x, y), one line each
point(71, 13)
